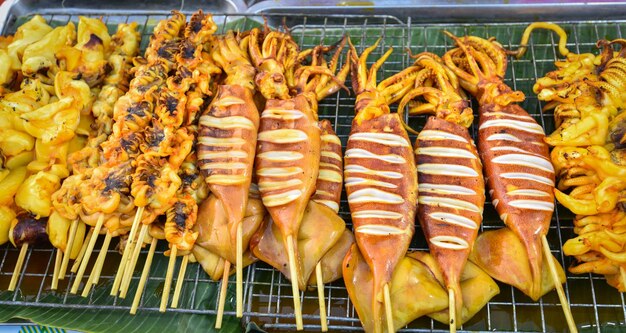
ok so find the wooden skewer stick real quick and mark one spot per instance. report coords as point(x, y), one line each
point(17, 272)
point(132, 261)
point(388, 311)
point(239, 270)
point(179, 281)
point(103, 253)
point(82, 251)
point(320, 296)
point(144, 276)
point(97, 268)
point(559, 287)
point(57, 268)
point(222, 300)
point(622, 274)
point(297, 308)
point(127, 250)
point(85, 260)
point(452, 310)
point(168, 279)
point(68, 249)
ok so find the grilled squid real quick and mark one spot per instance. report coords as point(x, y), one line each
point(451, 186)
point(515, 156)
point(380, 180)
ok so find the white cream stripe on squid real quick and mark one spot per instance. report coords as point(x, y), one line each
point(282, 114)
point(449, 242)
point(445, 189)
point(455, 219)
point(331, 138)
point(353, 168)
point(528, 192)
point(376, 214)
point(440, 135)
point(526, 126)
point(446, 169)
point(527, 176)
point(381, 230)
point(279, 172)
point(530, 161)
point(372, 195)
point(503, 137)
point(354, 181)
point(231, 122)
point(282, 136)
point(362, 153)
point(387, 139)
point(449, 202)
point(532, 204)
point(445, 152)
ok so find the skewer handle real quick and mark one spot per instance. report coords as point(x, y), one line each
point(144, 276)
point(127, 250)
point(168, 279)
point(57, 267)
point(559, 287)
point(222, 300)
point(97, 268)
point(17, 272)
point(452, 310)
point(388, 311)
point(320, 296)
point(297, 308)
point(179, 281)
point(239, 270)
point(85, 261)
point(132, 261)
point(68, 249)
point(82, 251)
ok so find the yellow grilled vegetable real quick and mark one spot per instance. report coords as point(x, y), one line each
point(27, 34)
point(10, 185)
point(35, 192)
point(6, 216)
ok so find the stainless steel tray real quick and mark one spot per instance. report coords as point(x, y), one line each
point(267, 294)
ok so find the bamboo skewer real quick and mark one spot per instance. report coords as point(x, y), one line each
point(89, 250)
point(297, 308)
point(239, 270)
point(131, 236)
point(144, 276)
point(97, 268)
point(222, 300)
point(82, 251)
point(132, 261)
point(559, 287)
point(68, 249)
point(57, 267)
point(452, 310)
point(168, 279)
point(18, 267)
point(320, 296)
point(388, 311)
point(622, 274)
point(179, 281)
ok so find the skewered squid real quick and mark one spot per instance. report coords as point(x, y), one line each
point(516, 159)
point(288, 151)
point(322, 235)
point(381, 183)
point(450, 179)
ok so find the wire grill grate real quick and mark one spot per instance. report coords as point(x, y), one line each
point(267, 294)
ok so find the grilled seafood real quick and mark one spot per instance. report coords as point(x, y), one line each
point(381, 181)
point(322, 236)
point(26, 228)
point(511, 146)
point(451, 186)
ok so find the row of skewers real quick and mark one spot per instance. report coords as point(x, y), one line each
point(215, 146)
point(585, 92)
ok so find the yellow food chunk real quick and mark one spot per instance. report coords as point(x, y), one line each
point(6, 216)
point(10, 185)
point(34, 195)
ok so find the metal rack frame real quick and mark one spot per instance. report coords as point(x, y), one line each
point(267, 294)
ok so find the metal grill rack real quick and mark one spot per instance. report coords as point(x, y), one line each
point(267, 294)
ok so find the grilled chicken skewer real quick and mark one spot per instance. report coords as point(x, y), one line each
point(380, 177)
point(451, 186)
point(512, 148)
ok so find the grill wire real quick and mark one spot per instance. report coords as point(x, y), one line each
point(267, 294)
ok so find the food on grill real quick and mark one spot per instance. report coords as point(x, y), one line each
point(588, 157)
point(289, 140)
point(381, 184)
point(226, 146)
point(450, 179)
point(516, 162)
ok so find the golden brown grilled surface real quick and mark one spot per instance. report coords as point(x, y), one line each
point(451, 196)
